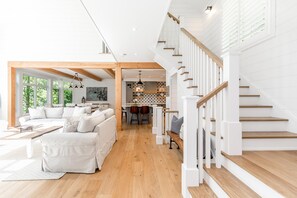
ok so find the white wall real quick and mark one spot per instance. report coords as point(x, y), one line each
point(271, 65)
point(41, 30)
point(109, 83)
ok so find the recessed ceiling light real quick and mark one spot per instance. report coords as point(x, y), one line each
point(123, 54)
point(208, 9)
point(134, 29)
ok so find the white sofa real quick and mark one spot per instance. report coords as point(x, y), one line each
point(79, 152)
point(52, 116)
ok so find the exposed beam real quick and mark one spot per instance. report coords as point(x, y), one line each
point(139, 65)
point(11, 96)
point(110, 72)
point(62, 65)
point(56, 72)
point(86, 73)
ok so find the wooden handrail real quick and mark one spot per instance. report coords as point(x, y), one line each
point(214, 57)
point(211, 94)
point(173, 17)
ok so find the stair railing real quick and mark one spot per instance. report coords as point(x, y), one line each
point(170, 32)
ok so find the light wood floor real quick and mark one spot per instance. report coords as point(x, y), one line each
point(136, 167)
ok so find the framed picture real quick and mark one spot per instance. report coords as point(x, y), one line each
point(96, 93)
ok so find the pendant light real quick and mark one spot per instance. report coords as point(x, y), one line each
point(72, 85)
point(139, 82)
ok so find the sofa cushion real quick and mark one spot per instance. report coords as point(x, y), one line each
point(37, 113)
point(78, 111)
point(54, 112)
point(108, 113)
point(97, 113)
point(71, 125)
point(88, 109)
point(68, 112)
point(88, 123)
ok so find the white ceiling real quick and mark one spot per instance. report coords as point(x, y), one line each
point(145, 73)
point(117, 19)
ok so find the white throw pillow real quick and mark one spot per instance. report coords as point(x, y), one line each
point(68, 112)
point(97, 112)
point(54, 112)
point(71, 125)
point(78, 111)
point(37, 113)
point(88, 123)
point(108, 113)
point(88, 109)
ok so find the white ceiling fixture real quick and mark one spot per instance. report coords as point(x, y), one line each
point(115, 18)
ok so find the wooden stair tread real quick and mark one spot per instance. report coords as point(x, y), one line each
point(257, 119)
point(249, 95)
point(244, 86)
point(192, 87)
point(255, 106)
point(271, 180)
point(168, 48)
point(214, 134)
point(184, 73)
point(187, 79)
point(267, 134)
point(177, 55)
point(203, 190)
point(161, 41)
point(229, 183)
point(181, 67)
point(253, 119)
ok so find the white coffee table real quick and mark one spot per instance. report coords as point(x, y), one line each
point(27, 137)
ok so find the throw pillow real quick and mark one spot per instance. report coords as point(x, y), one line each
point(97, 112)
point(37, 113)
point(78, 111)
point(88, 123)
point(54, 112)
point(176, 124)
point(71, 125)
point(108, 113)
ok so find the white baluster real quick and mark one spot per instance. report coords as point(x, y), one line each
point(218, 129)
point(200, 145)
point(207, 135)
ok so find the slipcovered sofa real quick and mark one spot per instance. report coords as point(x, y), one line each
point(52, 116)
point(83, 150)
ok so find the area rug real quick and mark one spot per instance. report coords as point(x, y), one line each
point(15, 166)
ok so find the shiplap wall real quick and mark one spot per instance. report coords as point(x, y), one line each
point(271, 65)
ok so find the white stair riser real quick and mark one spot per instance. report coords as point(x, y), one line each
point(252, 112)
point(269, 144)
point(247, 91)
point(265, 126)
point(249, 100)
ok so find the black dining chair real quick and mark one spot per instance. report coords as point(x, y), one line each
point(134, 111)
point(145, 112)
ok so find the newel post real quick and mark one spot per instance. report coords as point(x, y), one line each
point(159, 125)
point(231, 127)
point(190, 173)
point(154, 128)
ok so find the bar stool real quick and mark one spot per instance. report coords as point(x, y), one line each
point(134, 111)
point(145, 111)
point(124, 113)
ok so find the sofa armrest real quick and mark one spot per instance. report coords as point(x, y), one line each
point(24, 119)
point(69, 139)
point(106, 130)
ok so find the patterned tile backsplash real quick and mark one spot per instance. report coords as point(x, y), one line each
point(150, 98)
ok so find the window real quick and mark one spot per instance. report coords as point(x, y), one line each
point(67, 93)
point(56, 92)
point(34, 92)
point(246, 22)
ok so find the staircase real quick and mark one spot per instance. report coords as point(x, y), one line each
point(204, 76)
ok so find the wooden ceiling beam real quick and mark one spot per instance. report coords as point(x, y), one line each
point(139, 65)
point(86, 73)
point(110, 72)
point(56, 72)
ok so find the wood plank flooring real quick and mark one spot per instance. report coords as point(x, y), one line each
point(136, 167)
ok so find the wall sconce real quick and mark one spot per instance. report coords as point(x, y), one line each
point(208, 9)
